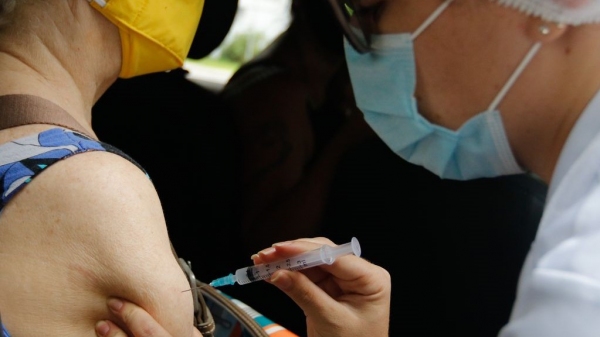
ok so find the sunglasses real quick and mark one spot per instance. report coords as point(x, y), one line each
point(357, 28)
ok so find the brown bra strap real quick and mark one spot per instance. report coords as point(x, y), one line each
point(17, 110)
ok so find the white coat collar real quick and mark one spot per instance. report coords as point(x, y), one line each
point(585, 130)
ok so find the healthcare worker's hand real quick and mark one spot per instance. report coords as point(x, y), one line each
point(349, 298)
point(136, 319)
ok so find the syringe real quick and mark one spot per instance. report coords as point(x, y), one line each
point(324, 255)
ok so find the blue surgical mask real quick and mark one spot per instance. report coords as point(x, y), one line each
point(384, 83)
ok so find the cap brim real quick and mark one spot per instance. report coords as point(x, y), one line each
point(214, 25)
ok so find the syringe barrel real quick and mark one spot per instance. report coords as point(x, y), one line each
point(323, 255)
point(244, 275)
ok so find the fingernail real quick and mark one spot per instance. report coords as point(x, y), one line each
point(102, 328)
point(254, 257)
point(282, 280)
point(267, 251)
point(115, 304)
point(280, 244)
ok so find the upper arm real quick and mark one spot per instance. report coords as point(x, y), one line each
point(88, 228)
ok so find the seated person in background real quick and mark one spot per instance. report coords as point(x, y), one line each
point(295, 117)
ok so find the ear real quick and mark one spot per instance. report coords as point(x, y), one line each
point(543, 31)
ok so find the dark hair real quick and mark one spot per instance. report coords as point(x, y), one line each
point(321, 19)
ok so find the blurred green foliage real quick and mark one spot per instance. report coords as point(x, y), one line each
point(243, 47)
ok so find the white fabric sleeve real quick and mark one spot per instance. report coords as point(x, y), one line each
point(560, 295)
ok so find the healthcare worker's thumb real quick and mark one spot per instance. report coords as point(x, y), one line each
point(307, 295)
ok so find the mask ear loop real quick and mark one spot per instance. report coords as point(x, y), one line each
point(430, 19)
point(513, 78)
point(498, 134)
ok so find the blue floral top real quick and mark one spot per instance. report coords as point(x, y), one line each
point(23, 159)
point(4, 332)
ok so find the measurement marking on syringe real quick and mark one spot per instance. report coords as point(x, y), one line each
point(324, 255)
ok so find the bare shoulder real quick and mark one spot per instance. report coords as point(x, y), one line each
point(88, 227)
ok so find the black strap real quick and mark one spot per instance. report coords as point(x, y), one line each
point(18, 110)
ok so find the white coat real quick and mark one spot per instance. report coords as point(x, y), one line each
point(559, 287)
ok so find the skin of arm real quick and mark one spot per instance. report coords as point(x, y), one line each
point(88, 228)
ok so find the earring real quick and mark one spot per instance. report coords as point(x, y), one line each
point(544, 30)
